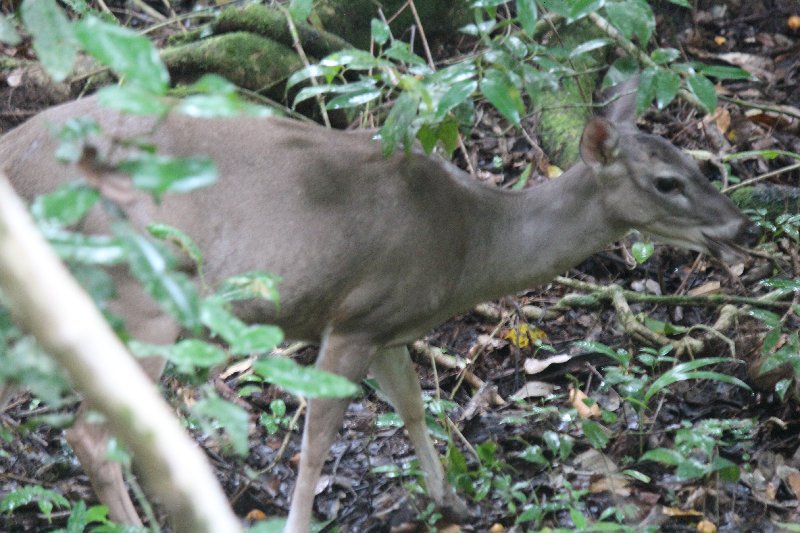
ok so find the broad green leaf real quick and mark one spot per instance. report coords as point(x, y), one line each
point(129, 54)
point(704, 91)
point(354, 99)
point(527, 14)
point(642, 251)
point(172, 234)
point(457, 93)
point(65, 206)
point(767, 317)
point(589, 46)
point(662, 56)
point(380, 31)
point(663, 456)
point(191, 354)
point(8, 34)
point(632, 18)
point(214, 413)
point(647, 89)
point(597, 435)
point(311, 71)
point(221, 105)
point(534, 454)
point(132, 99)
point(400, 51)
point(594, 346)
point(667, 85)
point(300, 9)
point(581, 8)
point(152, 267)
point(396, 129)
point(682, 3)
point(159, 174)
point(303, 381)
point(502, 94)
point(724, 72)
point(353, 58)
point(86, 249)
point(53, 38)
point(787, 285)
point(250, 285)
point(243, 339)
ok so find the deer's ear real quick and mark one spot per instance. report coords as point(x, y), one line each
point(599, 143)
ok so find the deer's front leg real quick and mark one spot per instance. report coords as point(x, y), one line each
point(349, 358)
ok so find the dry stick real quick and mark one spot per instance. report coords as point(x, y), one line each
point(422, 36)
point(46, 301)
point(298, 47)
point(762, 177)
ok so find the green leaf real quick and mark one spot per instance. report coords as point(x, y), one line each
point(534, 454)
point(152, 267)
point(191, 354)
point(127, 53)
point(663, 456)
point(215, 412)
point(667, 85)
point(380, 31)
point(65, 206)
point(642, 251)
point(250, 285)
point(397, 127)
point(682, 3)
point(647, 89)
point(724, 72)
point(303, 381)
point(243, 339)
point(662, 56)
point(132, 99)
point(688, 370)
point(632, 18)
point(8, 34)
point(400, 51)
point(159, 174)
point(353, 99)
point(597, 435)
point(704, 91)
point(354, 59)
point(221, 105)
point(456, 94)
point(86, 249)
point(311, 71)
point(527, 14)
point(589, 46)
point(300, 9)
point(53, 38)
point(33, 493)
point(502, 94)
point(581, 8)
point(172, 234)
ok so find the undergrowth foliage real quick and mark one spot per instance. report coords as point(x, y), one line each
point(415, 101)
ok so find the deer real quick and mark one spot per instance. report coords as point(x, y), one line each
point(373, 251)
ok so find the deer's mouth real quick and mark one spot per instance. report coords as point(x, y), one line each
point(725, 250)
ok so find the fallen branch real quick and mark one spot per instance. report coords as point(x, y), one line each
point(46, 301)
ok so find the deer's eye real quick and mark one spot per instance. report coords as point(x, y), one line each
point(668, 185)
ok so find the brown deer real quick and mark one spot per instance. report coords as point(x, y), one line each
point(373, 251)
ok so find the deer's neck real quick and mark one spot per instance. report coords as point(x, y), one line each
point(535, 235)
